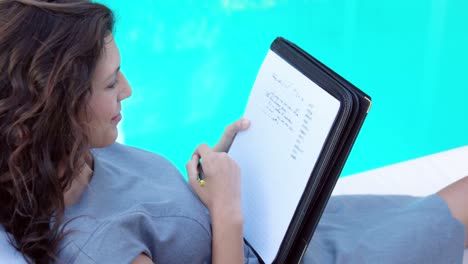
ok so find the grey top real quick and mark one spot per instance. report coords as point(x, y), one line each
point(387, 229)
point(137, 202)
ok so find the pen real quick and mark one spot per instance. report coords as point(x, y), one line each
point(200, 175)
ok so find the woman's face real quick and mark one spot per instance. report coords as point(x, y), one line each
point(109, 88)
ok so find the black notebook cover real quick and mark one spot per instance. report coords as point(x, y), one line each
point(354, 106)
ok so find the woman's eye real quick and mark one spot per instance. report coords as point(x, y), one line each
point(112, 86)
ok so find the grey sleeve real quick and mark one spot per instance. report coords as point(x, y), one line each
point(386, 229)
point(177, 240)
point(249, 256)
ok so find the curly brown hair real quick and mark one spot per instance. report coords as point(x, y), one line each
point(48, 53)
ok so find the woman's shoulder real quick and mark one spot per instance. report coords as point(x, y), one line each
point(123, 153)
point(128, 178)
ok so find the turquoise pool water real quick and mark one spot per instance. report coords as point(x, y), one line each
point(192, 65)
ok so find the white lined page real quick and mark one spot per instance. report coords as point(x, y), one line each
point(290, 117)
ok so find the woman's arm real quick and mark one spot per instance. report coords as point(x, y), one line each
point(142, 259)
point(228, 243)
point(222, 196)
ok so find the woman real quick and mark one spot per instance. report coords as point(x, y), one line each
point(61, 92)
point(68, 192)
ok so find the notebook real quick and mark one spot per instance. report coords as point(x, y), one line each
point(304, 121)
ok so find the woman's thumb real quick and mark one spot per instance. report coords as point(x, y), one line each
point(191, 168)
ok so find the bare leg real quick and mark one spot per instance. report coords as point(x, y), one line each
point(456, 196)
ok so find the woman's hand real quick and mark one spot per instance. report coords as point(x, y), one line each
point(221, 194)
point(230, 133)
point(225, 187)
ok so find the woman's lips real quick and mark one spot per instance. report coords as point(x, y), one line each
point(116, 119)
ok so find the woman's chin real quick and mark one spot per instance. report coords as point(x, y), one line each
point(104, 141)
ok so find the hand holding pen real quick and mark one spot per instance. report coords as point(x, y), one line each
point(213, 168)
point(224, 144)
point(221, 178)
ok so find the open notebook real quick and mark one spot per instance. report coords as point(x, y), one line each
point(304, 119)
